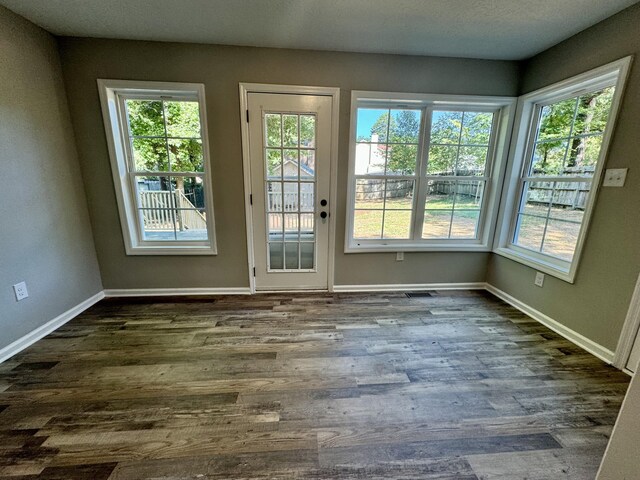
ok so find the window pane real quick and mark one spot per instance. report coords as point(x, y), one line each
point(442, 160)
point(583, 155)
point(405, 126)
point(186, 155)
point(273, 124)
point(401, 159)
point(274, 163)
point(397, 224)
point(307, 164)
point(307, 195)
point(370, 158)
point(156, 202)
point(150, 154)
point(290, 130)
point(556, 119)
point(291, 255)
point(548, 158)
point(290, 198)
point(560, 239)
point(530, 232)
point(276, 226)
point(369, 194)
point(472, 161)
point(469, 195)
point(274, 197)
point(307, 227)
point(465, 223)
point(367, 224)
point(593, 111)
point(440, 195)
point(145, 118)
point(276, 256)
point(307, 255)
point(191, 224)
point(569, 201)
point(372, 125)
point(189, 192)
point(537, 198)
point(307, 131)
point(183, 119)
point(476, 128)
point(436, 224)
point(291, 226)
point(446, 127)
point(290, 164)
point(399, 194)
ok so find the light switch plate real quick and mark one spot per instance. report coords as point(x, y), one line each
point(614, 177)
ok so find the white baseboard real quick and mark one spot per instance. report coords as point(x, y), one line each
point(44, 330)
point(161, 292)
point(409, 287)
point(580, 340)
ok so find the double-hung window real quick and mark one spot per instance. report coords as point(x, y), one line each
point(425, 171)
point(558, 159)
point(157, 138)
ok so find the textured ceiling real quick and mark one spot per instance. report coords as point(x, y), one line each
point(498, 29)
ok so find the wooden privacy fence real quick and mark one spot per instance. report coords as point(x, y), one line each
point(164, 210)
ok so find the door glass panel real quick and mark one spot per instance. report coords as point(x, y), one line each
point(290, 174)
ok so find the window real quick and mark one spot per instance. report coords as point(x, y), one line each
point(424, 171)
point(558, 164)
point(160, 163)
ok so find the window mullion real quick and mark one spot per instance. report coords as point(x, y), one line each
point(422, 183)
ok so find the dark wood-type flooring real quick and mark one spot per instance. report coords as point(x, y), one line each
point(448, 385)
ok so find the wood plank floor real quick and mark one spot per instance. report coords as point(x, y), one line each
point(447, 385)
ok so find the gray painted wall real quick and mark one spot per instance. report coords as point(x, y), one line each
point(44, 232)
point(596, 304)
point(221, 69)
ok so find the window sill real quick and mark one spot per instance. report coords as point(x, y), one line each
point(167, 250)
point(537, 264)
point(404, 247)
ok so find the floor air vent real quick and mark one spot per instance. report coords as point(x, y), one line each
point(417, 294)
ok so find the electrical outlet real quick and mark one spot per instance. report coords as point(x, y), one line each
point(539, 281)
point(20, 289)
point(614, 177)
point(399, 256)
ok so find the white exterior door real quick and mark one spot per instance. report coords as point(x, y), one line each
point(289, 149)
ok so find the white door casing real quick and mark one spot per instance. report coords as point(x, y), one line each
point(290, 175)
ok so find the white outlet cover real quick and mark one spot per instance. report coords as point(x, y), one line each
point(539, 281)
point(399, 256)
point(614, 177)
point(20, 290)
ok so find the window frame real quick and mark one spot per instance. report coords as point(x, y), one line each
point(520, 158)
point(113, 94)
point(504, 109)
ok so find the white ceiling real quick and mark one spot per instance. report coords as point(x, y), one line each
point(498, 29)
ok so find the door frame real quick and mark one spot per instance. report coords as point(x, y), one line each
point(630, 331)
point(334, 93)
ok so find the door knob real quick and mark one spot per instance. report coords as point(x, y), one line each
point(323, 202)
point(323, 214)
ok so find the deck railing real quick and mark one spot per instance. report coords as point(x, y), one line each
point(164, 210)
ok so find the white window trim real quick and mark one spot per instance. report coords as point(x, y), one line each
point(614, 73)
point(117, 139)
point(505, 114)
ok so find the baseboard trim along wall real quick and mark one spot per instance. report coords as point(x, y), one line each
point(409, 287)
point(44, 330)
point(162, 292)
point(590, 346)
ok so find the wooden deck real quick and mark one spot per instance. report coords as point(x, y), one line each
point(455, 385)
